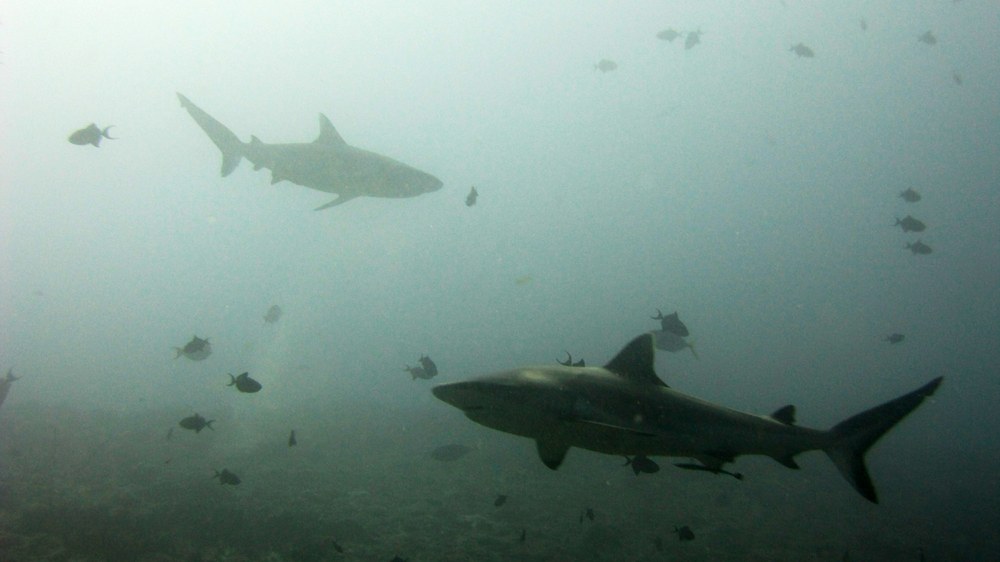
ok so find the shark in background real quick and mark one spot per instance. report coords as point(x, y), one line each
point(624, 408)
point(327, 164)
point(5, 384)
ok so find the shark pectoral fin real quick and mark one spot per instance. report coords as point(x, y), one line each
point(552, 453)
point(342, 199)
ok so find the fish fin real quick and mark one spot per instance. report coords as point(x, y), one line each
point(552, 453)
point(178, 352)
point(328, 134)
point(209, 423)
point(690, 345)
point(635, 361)
point(220, 135)
point(852, 437)
point(714, 461)
point(105, 134)
point(343, 198)
point(785, 415)
point(275, 178)
point(232, 379)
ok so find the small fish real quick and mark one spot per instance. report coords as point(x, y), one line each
point(642, 463)
point(501, 499)
point(291, 439)
point(429, 366)
point(910, 224)
point(801, 50)
point(919, 247)
point(703, 468)
point(5, 384)
point(523, 280)
point(671, 323)
point(398, 559)
point(470, 199)
point(668, 34)
point(684, 533)
point(417, 373)
point(588, 513)
point(244, 383)
point(336, 546)
point(170, 433)
point(91, 134)
point(910, 196)
point(524, 535)
point(693, 38)
point(195, 350)
point(605, 65)
point(894, 338)
point(273, 314)
point(449, 453)
point(569, 361)
point(957, 78)
point(196, 423)
point(226, 477)
point(927, 38)
point(864, 24)
point(669, 341)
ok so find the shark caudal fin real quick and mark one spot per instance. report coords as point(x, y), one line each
point(226, 140)
point(854, 436)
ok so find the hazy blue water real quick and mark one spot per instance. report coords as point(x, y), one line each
point(749, 189)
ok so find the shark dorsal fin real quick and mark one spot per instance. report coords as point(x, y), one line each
point(785, 415)
point(635, 362)
point(328, 134)
point(552, 453)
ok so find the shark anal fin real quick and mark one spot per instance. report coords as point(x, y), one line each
point(552, 453)
point(635, 361)
point(785, 415)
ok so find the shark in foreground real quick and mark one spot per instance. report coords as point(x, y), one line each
point(624, 408)
point(327, 164)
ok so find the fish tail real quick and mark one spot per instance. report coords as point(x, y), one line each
point(209, 423)
point(232, 379)
point(178, 352)
point(690, 345)
point(219, 134)
point(105, 134)
point(852, 437)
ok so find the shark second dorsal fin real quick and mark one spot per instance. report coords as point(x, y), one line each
point(552, 453)
point(785, 415)
point(328, 134)
point(635, 361)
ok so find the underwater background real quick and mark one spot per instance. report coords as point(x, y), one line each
point(748, 187)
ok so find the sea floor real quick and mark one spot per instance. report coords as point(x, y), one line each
point(92, 486)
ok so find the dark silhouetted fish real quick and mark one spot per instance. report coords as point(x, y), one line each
point(864, 24)
point(5, 384)
point(927, 38)
point(642, 463)
point(449, 453)
point(195, 350)
point(693, 38)
point(894, 338)
point(684, 533)
point(398, 559)
point(170, 433)
point(703, 468)
point(90, 134)
point(429, 366)
point(291, 439)
point(244, 383)
point(569, 361)
point(524, 535)
point(588, 513)
point(668, 34)
point(501, 499)
point(273, 314)
point(910, 224)
point(671, 323)
point(910, 196)
point(801, 50)
point(669, 341)
point(417, 373)
point(227, 478)
point(196, 423)
point(919, 247)
point(336, 546)
point(605, 65)
point(470, 199)
point(957, 78)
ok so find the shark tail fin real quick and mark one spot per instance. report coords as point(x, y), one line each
point(220, 135)
point(854, 436)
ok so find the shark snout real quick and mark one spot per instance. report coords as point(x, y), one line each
point(462, 395)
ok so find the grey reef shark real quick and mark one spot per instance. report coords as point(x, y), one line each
point(625, 409)
point(327, 164)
